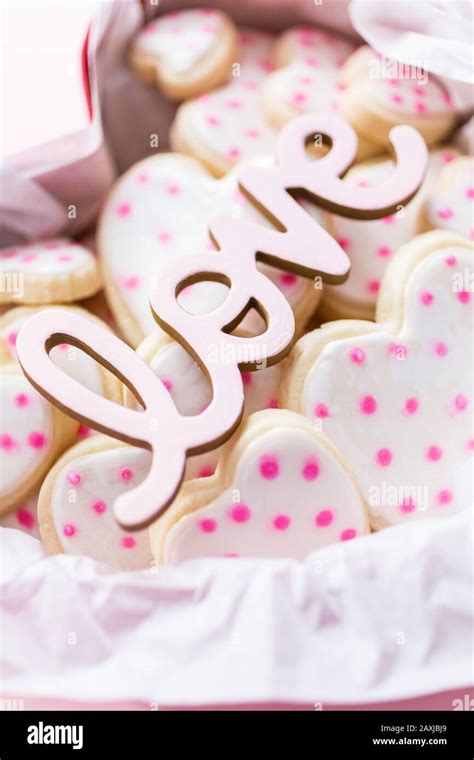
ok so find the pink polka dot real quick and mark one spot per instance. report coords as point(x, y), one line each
point(434, 453)
point(420, 107)
point(470, 444)
point(368, 405)
point(172, 188)
point(231, 555)
point(273, 403)
point(298, 98)
point(384, 457)
point(383, 251)
point(357, 355)
point(288, 279)
point(451, 261)
point(310, 469)
point(390, 219)
point(22, 400)
point(441, 348)
point(27, 257)
point(240, 513)
point(470, 193)
point(321, 411)
point(460, 402)
point(7, 442)
point(233, 153)
point(167, 383)
point(411, 405)
point(407, 506)
point(348, 534)
point(233, 103)
point(445, 213)
point(464, 296)
point(126, 473)
point(418, 91)
point(397, 98)
point(324, 518)
point(444, 497)
point(143, 177)
point(11, 338)
point(282, 522)
point(426, 298)
point(345, 243)
point(252, 134)
point(212, 121)
point(25, 518)
point(397, 351)
point(36, 440)
point(123, 210)
point(163, 236)
point(73, 478)
point(269, 467)
point(246, 377)
point(130, 282)
point(99, 507)
point(64, 258)
point(69, 530)
point(208, 525)
point(206, 472)
point(373, 286)
point(84, 431)
point(128, 542)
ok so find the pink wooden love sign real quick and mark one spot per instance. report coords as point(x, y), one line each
point(295, 243)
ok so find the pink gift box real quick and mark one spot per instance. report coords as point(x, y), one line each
point(304, 639)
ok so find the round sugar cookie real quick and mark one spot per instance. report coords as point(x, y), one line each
point(52, 271)
point(185, 52)
point(379, 97)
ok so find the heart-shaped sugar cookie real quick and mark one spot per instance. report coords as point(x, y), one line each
point(280, 490)
point(395, 397)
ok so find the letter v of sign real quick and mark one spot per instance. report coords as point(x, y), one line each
point(296, 243)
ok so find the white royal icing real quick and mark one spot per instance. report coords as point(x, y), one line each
point(53, 257)
point(70, 359)
point(230, 120)
point(289, 496)
point(399, 407)
point(453, 208)
point(311, 81)
point(181, 38)
point(160, 211)
point(191, 393)
point(370, 245)
point(82, 507)
point(26, 430)
point(23, 518)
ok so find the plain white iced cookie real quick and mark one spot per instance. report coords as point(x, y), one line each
point(371, 244)
point(280, 490)
point(186, 52)
point(227, 125)
point(160, 210)
point(395, 397)
point(52, 271)
point(75, 504)
point(380, 96)
point(450, 204)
